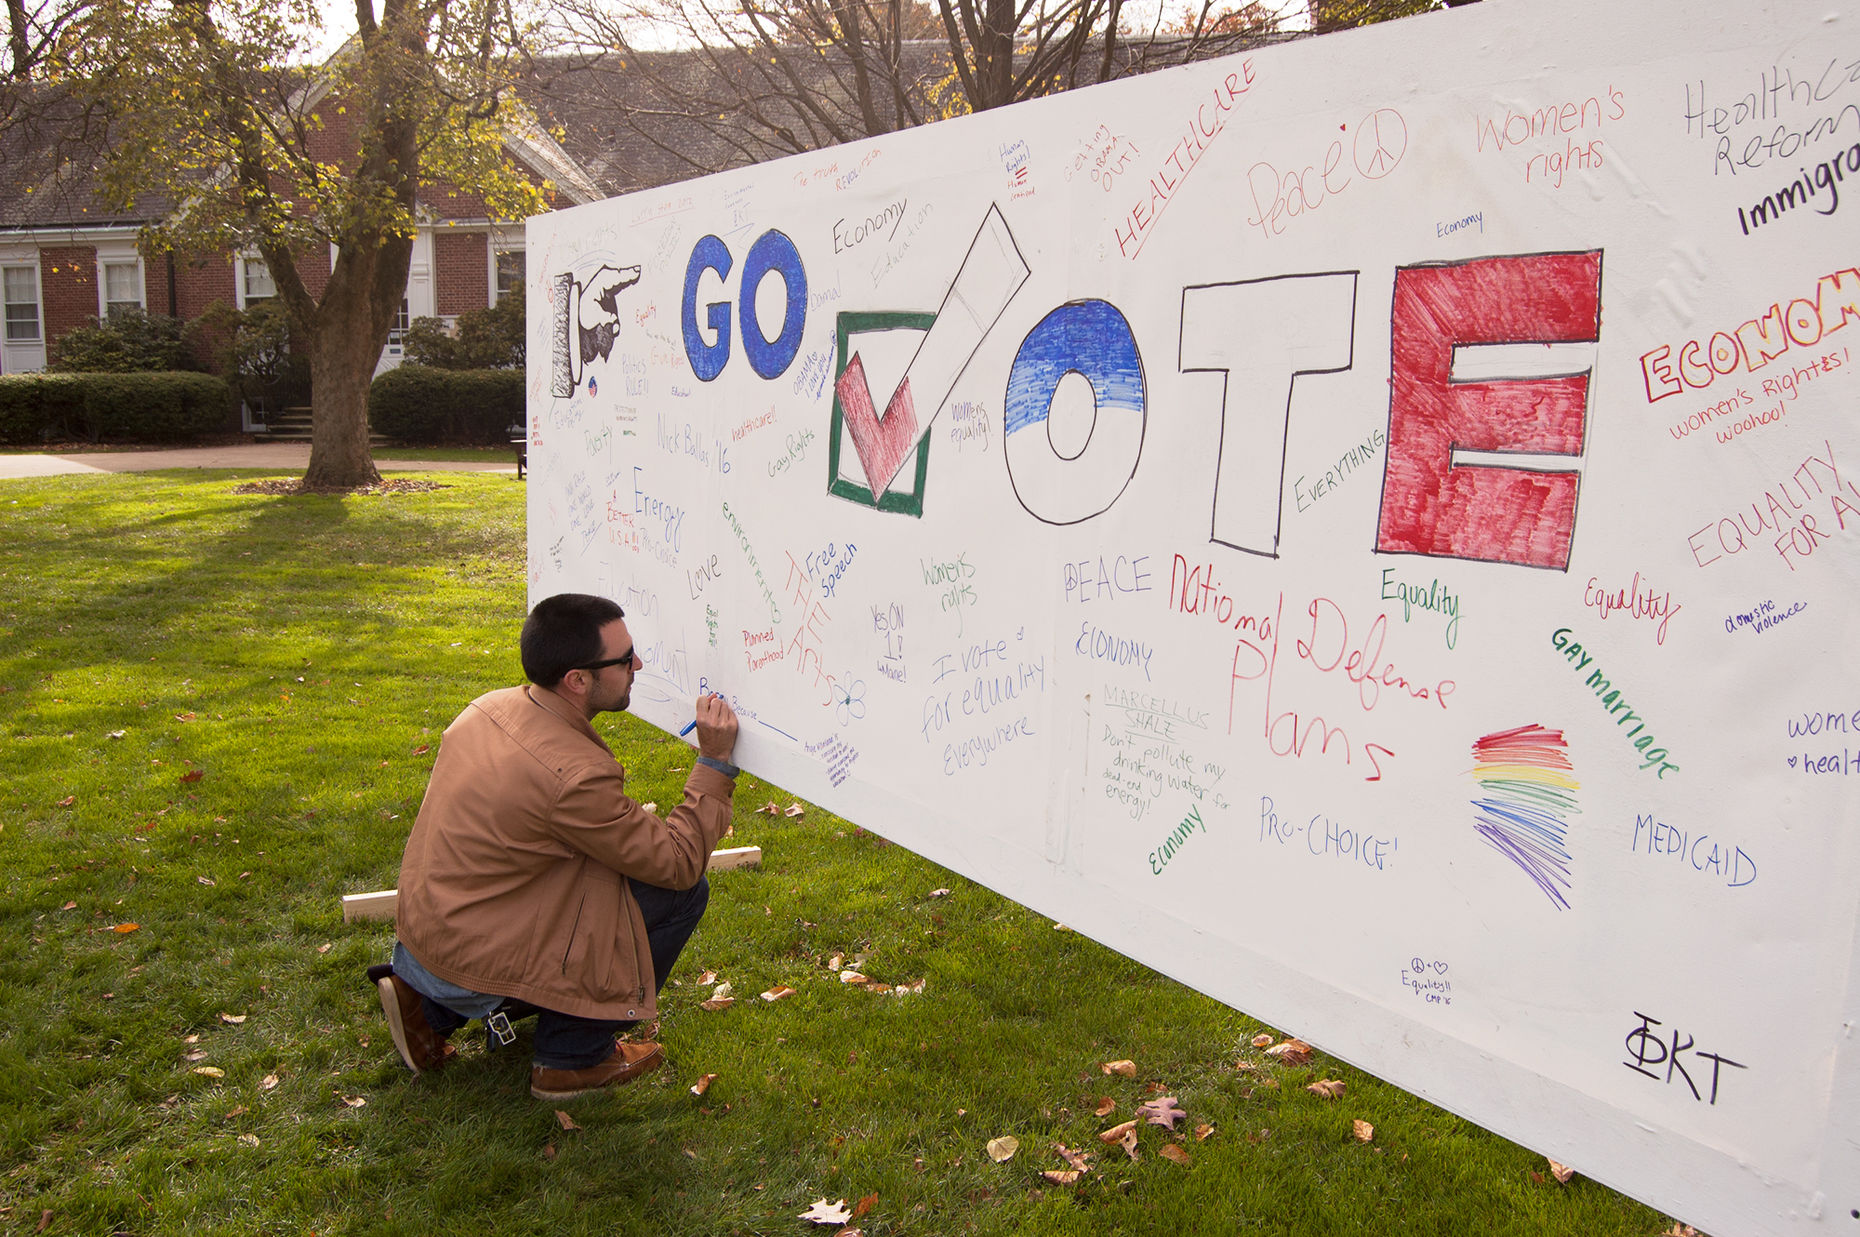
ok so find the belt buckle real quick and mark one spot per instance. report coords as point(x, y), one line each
point(499, 1025)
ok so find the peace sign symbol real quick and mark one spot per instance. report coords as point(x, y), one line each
point(1381, 141)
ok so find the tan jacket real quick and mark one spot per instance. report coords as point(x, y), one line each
point(512, 880)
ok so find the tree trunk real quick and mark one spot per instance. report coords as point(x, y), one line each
point(342, 364)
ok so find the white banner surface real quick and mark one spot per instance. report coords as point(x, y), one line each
point(1360, 527)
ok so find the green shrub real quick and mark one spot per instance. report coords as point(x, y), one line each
point(481, 338)
point(34, 407)
point(115, 407)
point(420, 404)
point(128, 341)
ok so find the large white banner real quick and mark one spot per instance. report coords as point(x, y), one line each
point(1368, 528)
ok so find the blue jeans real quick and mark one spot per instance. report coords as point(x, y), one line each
point(564, 1041)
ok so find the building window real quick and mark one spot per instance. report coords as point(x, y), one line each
point(509, 272)
point(122, 287)
point(258, 282)
point(22, 304)
point(397, 334)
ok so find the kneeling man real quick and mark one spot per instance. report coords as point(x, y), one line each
point(533, 885)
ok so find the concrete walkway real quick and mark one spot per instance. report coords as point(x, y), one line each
point(282, 456)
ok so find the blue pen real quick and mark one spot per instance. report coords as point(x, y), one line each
point(693, 726)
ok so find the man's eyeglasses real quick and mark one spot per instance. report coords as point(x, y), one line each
point(625, 659)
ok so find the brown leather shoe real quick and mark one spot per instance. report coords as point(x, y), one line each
point(421, 1049)
point(627, 1062)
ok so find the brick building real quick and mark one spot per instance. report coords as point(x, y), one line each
point(66, 259)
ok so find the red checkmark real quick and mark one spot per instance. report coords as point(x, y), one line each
point(881, 444)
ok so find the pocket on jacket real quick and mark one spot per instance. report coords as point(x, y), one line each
point(589, 959)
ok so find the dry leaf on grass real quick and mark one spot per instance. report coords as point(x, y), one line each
point(1173, 1152)
point(1262, 1041)
point(939, 893)
point(794, 809)
point(834, 963)
point(1561, 1172)
point(1078, 1159)
point(776, 994)
point(193, 775)
point(1291, 1052)
point(862, 1206)
point(232, 1019)
point(1126, 1069)
point(768, 809)
point(1363, 1130)
point(717, 1003)
point(823, 1212)
point(250, 1140)
point(211, 1071)
point(69, 906)
point(1161, 1111)
point(1116, 1133)
point(1106, 1106)
point(126, 928)
point(1002, 1149)
point(703, 1084)
point(354, 1101)
point(707, 979)
point(548, 1151)
point(565, 1121)
point(852, 977)
point(1327, 1088)
point(1061, 1177)
point(1202, 1131)
point(268, 1082)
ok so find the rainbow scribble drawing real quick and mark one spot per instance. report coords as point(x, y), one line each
point(1527, 788)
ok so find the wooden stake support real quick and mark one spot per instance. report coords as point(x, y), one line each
point(380, 905)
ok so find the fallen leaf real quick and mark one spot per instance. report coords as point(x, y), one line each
point(1363, 1130)
point(203, 880)
point(1561, 1172)
point(198, 1054)
point(794, 809)
point(117, 734)
point(237, 1112)
point(776, 994)
point(1202, 1132)
point(45, 1217)
point(548, 1151)
point(1078, 1159)
point(1327, 1088)
point(67, 801)
point(823, 1212)
point(234, 1019)
point(939, 893)
point(1172, 1152)
point(851, 977)
point(355, 1101)
point(422, 749)
point(1258, 1138)
point(1002, 1149)
point(1116, 1133)
point(268, 1083)
point(1061, 1177)
point(717, 1003)
point(565, 1121)
point(192, 1039)
point(833, 963)
point(703, 1084)
point(1127, 1069)
point(183, 717)
point(193, 775)
point(707, 979)
point(69, 906)
point(211, 1071)
point(914, 986)
point(324, 947)
point(1246, 1067)
point(1106, 1106)
point(1291, 1052)
point(862, 1206)
point(1262, 1040)
point(1162, 1111)
point(250, 1140)
point(722, 990)
point(769, 809)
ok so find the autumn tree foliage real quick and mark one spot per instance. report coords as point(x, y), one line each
point(212, 111)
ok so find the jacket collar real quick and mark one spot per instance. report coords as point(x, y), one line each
point(553, 703)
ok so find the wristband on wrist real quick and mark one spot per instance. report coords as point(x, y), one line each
point(722, 766)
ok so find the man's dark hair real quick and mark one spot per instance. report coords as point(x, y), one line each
point(562, 633)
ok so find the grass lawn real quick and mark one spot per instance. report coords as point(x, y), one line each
point(220, 712)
